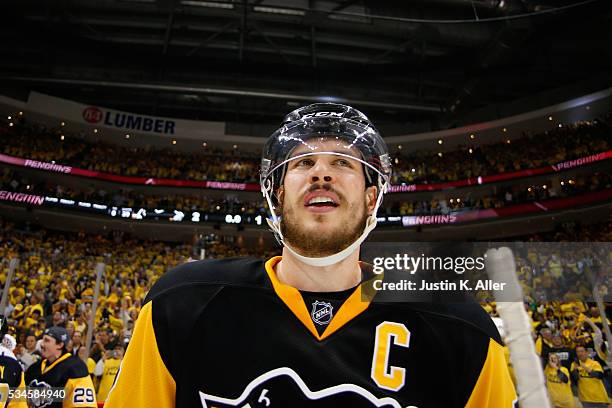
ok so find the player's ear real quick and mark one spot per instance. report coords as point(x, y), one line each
point(279, 196)
point(371, 195)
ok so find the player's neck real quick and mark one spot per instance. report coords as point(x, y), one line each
point(334, 278)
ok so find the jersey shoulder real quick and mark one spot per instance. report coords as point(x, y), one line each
point(469, 314)
point(7, 361)
point(34, 369)
point(11, 372)
point(75, 367)
point(243, 271)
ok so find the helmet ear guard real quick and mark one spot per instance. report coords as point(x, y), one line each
point(352, 132)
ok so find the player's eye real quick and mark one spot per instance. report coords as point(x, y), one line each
point(343, 162)
point(304, 163)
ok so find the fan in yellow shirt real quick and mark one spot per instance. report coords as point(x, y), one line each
point(107, 368)
point(89, 362)
point(588, 374)
point(558, 383)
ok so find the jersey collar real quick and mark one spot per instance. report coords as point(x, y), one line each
point(351, 308)
point(44, 368)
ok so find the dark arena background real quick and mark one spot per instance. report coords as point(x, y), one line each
point(131, 134)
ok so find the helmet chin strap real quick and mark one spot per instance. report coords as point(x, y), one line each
point(339, 256)
point(334, 258)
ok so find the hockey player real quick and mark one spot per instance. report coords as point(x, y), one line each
point(295, 331)
point(11, 373)
point(60, 370)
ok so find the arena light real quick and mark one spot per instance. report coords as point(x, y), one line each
point(9, 117)
point(95, 130)
point(235, 146)
point(470, 150)
point(458, 200)
point(140, 214)
point(508, 141)
point(588, 107)
point(440, 141)
point(399, 147)
point(20, 113)
point(208, 4)
point(550, 118)
point(173, 141)
point(10, 124)
point(279, 10)
point(61, 137)
point(204, 144)
point(472, 136)
point(127, 136)
point(63, 124)
point(440, 154)
point(413, 170)
point(504, 130)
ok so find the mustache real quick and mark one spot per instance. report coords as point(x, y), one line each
point(312, 188)
point(326, 187)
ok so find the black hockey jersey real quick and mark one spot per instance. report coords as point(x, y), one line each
point(68, 372)
point(228, 333)
point(11, 375)
point(11, 372)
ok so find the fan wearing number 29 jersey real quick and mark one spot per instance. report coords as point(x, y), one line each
point(227, 333)
point(60, 379)
point(69, 373)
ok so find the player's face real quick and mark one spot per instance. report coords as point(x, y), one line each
point(49, 347)
point(324, 201)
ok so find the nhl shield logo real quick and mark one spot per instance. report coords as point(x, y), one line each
point(322, 312)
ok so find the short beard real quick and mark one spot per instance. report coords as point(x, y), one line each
point(314, 245)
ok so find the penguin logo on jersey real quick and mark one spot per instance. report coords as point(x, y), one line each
point(40, 401)
point(322, 312)
point(283, 387)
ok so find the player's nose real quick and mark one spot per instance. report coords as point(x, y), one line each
point(321, 171)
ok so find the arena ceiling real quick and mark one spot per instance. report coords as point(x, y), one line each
point(408, 64)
